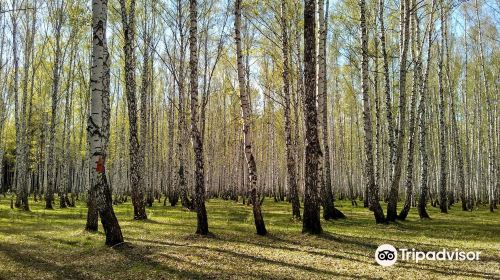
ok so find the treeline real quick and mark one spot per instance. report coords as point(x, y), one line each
point(306, 102)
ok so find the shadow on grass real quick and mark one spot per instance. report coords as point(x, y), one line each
point(139, 254)
point(253, 258)
point(26, 259)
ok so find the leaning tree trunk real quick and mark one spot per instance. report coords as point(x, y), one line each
point(136, 159)
point(290, 157)
point(98, 123)
point(311, 222)
point(199, 173)
point(247, 122)
point(372, 187)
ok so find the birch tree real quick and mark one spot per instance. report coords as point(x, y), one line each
point(373, 193)
point(311, 221)
point(290, 157)
point(443, 193)
point(400, 132)
point(247, 124)
point(199, 201)
point(98, 122)
point(58, 13)
point(136, 156)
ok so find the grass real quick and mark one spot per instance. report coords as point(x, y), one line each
point(44, 244)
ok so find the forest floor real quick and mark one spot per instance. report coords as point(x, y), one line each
point(45, 244)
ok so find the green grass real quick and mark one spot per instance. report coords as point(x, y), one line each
point(45, 244)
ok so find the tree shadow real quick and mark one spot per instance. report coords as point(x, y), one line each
point(139, 254)
point(25, 259)
point(253, 258)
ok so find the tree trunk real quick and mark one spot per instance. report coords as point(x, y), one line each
point(454, 123)
point(145, 105)
point(98, 123)
point(387, 89)
point(422, 115)
point(400, 133)
point(311, 222)
point(443, 201)
point(15, 54)
point(199, 201)
point(173, 195)
point(182, 126)
point(247, 122)
point(23, 148)
point(52, 164)
point(290, 155)
point(417, 61)
point(136, 158)
point(372, 187)
point(491, 159)
point(329, 211)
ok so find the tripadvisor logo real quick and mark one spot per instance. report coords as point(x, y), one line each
point(387, 255)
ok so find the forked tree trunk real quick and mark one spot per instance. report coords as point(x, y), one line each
point(311, 221)
point(247, 122)
point(98, 123)
point(400, 133)
point(417, 61)
point(372, 187)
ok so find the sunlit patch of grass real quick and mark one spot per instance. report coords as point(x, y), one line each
point(44, 244)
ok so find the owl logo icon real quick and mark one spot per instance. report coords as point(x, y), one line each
point(386, 255)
